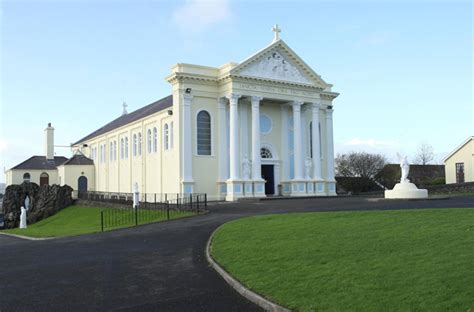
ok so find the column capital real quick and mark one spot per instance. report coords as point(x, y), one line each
point(256, 100)
point(221, 102)
point(329, 112)
point(187, 98)
point(233, 98)
point(296, 105)
point(316, 104)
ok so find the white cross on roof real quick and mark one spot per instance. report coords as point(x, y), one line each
point(277, 32)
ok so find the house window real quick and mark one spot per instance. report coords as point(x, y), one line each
point(134, 145)
point(155, 139)
point(265, 153)
point(165, 137)
point(203, 133)
point(126, 147)
point(26, 177)
point(148, 141)
point(139, 143)
point(459, 172)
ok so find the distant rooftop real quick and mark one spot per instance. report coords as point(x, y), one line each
point(41, 163)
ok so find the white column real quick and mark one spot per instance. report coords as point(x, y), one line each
point(234, 137)
point(315, 141)
point(298, 153)
point(223, 146)
point(284, 142)
point(186, 147)
point(330, 146)
point(256, 163)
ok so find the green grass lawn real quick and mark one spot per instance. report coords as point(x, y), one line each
point(75, 220)
point(406, 260)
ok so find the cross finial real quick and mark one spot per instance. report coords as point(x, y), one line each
point(277, 32)
point(124, 105)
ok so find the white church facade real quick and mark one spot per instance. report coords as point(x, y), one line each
point(257, 128)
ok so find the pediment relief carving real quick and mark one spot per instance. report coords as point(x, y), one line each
point(274, 65)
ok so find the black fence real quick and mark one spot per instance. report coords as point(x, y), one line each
point(151, 207)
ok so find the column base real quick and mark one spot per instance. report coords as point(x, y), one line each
point(234, 190)
point(298, 187)
point(248, 189)
point(319, 188)
point(331, 188)
point(259, 188)
point(221, 189)
point(187, 187)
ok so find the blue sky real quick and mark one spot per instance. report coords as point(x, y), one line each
point(403, 68)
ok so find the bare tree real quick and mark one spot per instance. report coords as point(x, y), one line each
point(424, 154)
point(359, 164)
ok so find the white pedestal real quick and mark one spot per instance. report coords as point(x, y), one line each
point(406, 190)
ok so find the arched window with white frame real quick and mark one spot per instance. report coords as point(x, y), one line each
point(111, 151)
point(126, 148)
point(171, 136)
point(139, 143)
point(135, 145)
point(115, 149)
point(203, 130)
point(26, 177)
point(155, 140)
point(148, 141)
point(265, 153)
point(165, 137)
point(122, 148)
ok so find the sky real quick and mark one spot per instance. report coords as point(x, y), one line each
point(404, 69)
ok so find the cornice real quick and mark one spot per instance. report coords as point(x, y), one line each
point(178, 77)
point(240, 78)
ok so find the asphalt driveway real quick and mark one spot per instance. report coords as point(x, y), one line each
point(155, 267)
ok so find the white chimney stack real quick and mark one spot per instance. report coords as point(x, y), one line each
point(49, 142)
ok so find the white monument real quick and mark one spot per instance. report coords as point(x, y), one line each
point(405, 189)
point(136, 196)
point(23, 218)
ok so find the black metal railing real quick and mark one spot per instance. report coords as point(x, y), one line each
point(151, 208)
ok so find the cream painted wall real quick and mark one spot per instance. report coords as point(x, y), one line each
point(464, 155)
point(15, 176)
point(69, 175)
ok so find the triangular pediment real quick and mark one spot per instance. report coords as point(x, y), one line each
point(278, 62)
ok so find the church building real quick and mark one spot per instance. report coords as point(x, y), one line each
point(257, 128)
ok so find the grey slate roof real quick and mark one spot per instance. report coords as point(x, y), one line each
point(41, 163)
point(78, 159)
point(131, 117)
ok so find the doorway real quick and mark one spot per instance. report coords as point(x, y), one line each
point(44, 179)
point(268, 174)
point(82, 184)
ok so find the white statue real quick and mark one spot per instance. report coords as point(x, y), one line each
point(136, 196)
point(23, 218)
point(246, 168)
point(405, 166)
point(27, 202)
point(307, 167)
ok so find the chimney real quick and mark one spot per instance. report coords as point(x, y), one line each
point(49, 142)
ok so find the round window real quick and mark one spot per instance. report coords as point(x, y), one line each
point(265, 124)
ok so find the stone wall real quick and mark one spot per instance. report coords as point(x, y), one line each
point(45, 201)
point(467, 187)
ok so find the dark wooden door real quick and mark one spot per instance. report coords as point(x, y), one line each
point(44, 180)
point(269, 177)
point(82, 184)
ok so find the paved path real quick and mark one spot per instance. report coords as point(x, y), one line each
point(156, 267)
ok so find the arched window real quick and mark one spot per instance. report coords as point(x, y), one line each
point(44, 179)
point(155, 139)
point(26, 177)
point(265, 153)
point(134, 145)
point(139, 143)
point(115, 150)
point(165, 137)
point(148, 141)
point(171, 135)
point(203, 123)
point(111, 151)
point(122, 148)
point(126, 147)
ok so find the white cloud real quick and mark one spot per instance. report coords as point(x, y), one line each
point(198, 15)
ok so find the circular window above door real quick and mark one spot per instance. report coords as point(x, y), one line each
point(265, 124)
